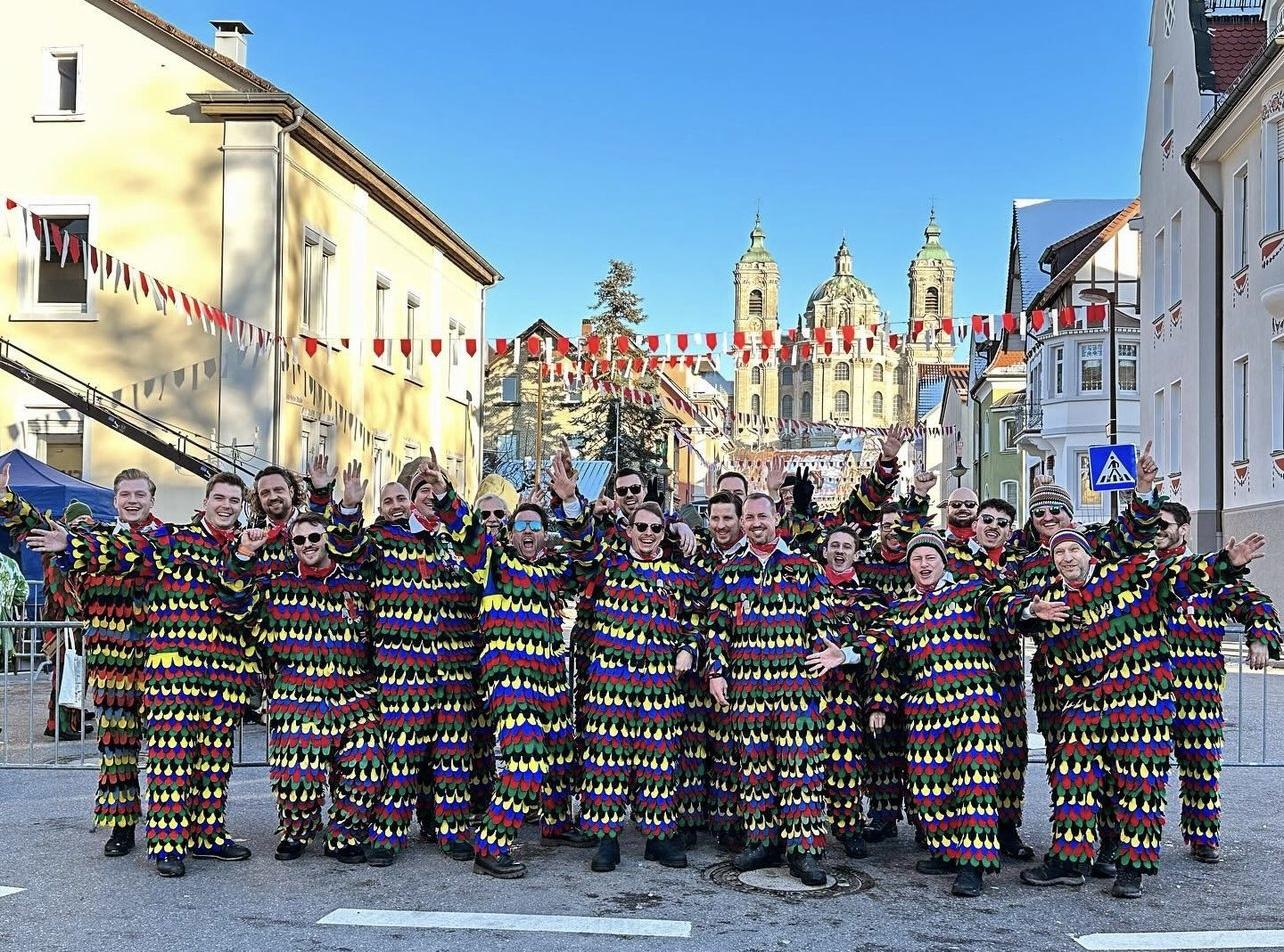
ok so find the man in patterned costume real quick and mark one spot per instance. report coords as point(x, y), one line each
point(115, 652)
point(277, 496)
point(199, 673)
point(770, 609)
point(1115, 738)
point(523, 676)
point(312, 628)
point(423, 606)
point(1195, 631)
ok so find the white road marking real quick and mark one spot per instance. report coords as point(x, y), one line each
point(1162, 941)
point(10, 890)
point(502, 922)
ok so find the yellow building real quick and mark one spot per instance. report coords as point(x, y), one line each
point(175, 156)
point(865, 386)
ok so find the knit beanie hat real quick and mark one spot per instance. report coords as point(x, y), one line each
point(1070, 534)
point(928, 537)
point(1050, 496)
point(76, 510)
point(415, 484)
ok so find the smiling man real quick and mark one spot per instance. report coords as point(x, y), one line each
point(960, 515)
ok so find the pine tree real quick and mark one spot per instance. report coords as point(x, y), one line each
point(626, 433)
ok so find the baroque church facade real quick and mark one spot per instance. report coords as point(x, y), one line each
point(865, 387)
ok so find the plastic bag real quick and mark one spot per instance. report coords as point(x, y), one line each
point(71, 686)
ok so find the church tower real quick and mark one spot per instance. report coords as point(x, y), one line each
point(931, 296)
point(757, 302)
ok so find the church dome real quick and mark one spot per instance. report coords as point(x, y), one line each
point(932, 249)
point(843, 285)
point(757, 250)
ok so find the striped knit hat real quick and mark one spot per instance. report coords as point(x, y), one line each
point(1050, 496)
point(926, 537)
point(1070, 534)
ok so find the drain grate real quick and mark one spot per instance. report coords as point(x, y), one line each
point(843, 880)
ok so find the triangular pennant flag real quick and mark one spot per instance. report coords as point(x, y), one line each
point(1009, 323)
point(470, 347)
point(1036, 320)
point(711, 341)
point(682, 342)
point(380, 345)
point(533, 344)
point(1065, 317)
point(407, 345)
point(501, 346)
point(653, 342)
point(947, 325)
point(310, 345)
point(434, 345)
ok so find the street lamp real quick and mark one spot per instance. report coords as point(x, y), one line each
point(1102, 296)
point(958, 470)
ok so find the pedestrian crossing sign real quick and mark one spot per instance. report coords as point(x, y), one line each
point(1113, 467)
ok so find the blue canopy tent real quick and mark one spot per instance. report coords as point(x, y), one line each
point(49, 491)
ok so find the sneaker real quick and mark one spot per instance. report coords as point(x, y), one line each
point(855, 846)
point(571, 836)
point(1053, 873)
point(171, 868)
point(1206, 852)
point(607, 856)
point(289, 849)
point(121, 842)
point(967, 883)
point(1127, 884)
point(501, 867)
point(760, 856)
point(350, 855)
point(668, 852)
point(936, 866)
point(1011, 845)
point(227, 851)
point(380, 856)
point(459, 851)
point(806, 867)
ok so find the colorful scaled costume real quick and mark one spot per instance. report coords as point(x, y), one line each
point(324, 727)
point(199, 675)
point(278, 555)
point(860, 510)
point(1115, 729)
point(1195, 630)
point(941, 665)
point(523, 675)
point(766, 614)
point(423, 632)
point(645, 613)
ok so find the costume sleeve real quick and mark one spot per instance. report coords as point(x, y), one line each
point(887, 679)
point(1133, 531)
point(348, 539)
point(865, 635)
point(1180, 577)
point(239, 595)
point(721, 624)
point(107, 553)
point(320, 497)
point(20, 517)
point(874, 488)
point(1246, 603)
point(1000, 604)
point(467, 534)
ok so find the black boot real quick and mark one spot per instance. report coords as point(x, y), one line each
point(967, 883)
point(121, 842)
point(571, 836)
point(350, 855)
point(936, 866)
point(1053, 872)
point(380, 856)
point(1203, 852)
point(1011, 845)
point(289, 849)
point(854, 844)
point(806, 867)
point(1103, 866)
point(732, 841)
point(227, 851)
point(668, 852)
point(920, 837)
point(607, 856)
point(759, 856)
point(501, 867)
point(459, 851)
point(689, 837)
point(1127, 884)
point(883, 830)
point(171, 868)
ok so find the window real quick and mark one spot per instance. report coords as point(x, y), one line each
point(806, 406)
point(382, 331)
point(1239, 222)
point(755, 376)
point(806, 373)
point(755, 303)
point(510, 389)
point(900, 375)
point(1160, 428)
point(876, 404)
point(1010, 492)
point(61, 85)
point(755, 405)
point(1277, 384)
point(843, 371)
point(56, 283)
point(318, 263)
point(381, 463)
point(842, 402)
point(1035, 396)
point(507, 446)
point(1058, 371)
point(1090, 368)
point(1273, 176)
point(456, 376)
point(1239, 391)
point(1088, 497)
point(1168, 104)
point(786, 376)
point(1007, 435)
point(415, 359)
point(932, 301)
point(1174, 260)
point(1126, 358)
point(787, 407)
point(1174, 427)
point(878, 373)
point(898, 407)
point(1161, 279)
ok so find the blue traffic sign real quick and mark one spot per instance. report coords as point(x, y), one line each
point(1113, 467)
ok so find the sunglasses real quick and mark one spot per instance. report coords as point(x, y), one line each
point(528, 525)
point(1042, 511)
point(1001, 521)
point(654, 528)
point(309, 539)
point(1169, 526)
point(628, 490)
point(493, 513)
point(962, 505)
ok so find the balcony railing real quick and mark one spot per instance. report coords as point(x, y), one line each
point(1030, 418)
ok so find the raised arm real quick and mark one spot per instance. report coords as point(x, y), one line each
point(321, 476)
point(348, 539)
point(239, 594)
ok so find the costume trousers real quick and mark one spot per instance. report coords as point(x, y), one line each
point(693, 758)
point(953, 748)
point(1198, 725)
point(722, 807)
point(115, 658)
point(885, 770)
point(1113, 756)
point(780, 743)
point(845, 746)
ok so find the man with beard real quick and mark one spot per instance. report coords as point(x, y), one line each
point(423, 608)
point(1195, 630)
point(770, 609)
point(199, 670)
point(960, 516)
point(525, 585)
point(276, 497)
point(115, 643)
point(734, 484)
point(312, 626)
point(1115, 740)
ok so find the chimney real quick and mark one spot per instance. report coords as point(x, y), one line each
point(229, 39)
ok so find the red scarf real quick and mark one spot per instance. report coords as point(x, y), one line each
point(316, 571)
point(963, 533)
point(1169, 553)
point(223, 537)
point(838, 578)
point(763, 551)
point(995, 554)
point(891, 556)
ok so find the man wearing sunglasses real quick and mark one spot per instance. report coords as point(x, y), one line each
point(423, 606)
point(324, 726)
point(1194, 634)
point(960, 516)
point(276, 497)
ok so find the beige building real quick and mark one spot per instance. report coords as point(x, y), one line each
point(175, 156)
point(858, 386)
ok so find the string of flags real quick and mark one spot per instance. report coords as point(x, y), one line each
point(609, 354)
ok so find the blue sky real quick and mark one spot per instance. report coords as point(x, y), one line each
point(556, 136)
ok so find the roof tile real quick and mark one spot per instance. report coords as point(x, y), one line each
point(1235, 41)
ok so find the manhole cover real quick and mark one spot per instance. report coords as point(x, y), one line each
point(842, 880)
